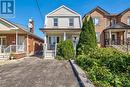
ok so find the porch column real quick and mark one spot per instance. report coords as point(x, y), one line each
point(125, 36)
point(45, 38)
point(45, 45)
point(16, 41)
point(1, 45)
point(64, 36)
point(27, 45)
point(109, 37)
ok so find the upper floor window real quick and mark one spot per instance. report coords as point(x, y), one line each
point(113, 21)
point(128, 20)
point(96, 20)
point(55, 21)
point(71, 21)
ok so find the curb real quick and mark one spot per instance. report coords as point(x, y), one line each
point(81, 76)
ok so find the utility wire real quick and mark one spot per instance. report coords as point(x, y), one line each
point(39, 10)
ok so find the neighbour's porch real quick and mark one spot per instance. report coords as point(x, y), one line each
point(116, 36)
point(12, 41)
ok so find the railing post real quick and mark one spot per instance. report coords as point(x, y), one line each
point(45, 50)
point(110, 41)
point(10, 49)
point(55, 49)
point(16, 40)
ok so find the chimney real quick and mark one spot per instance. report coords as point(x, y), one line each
point(31, 25)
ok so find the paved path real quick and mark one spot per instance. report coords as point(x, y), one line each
point(35, 72)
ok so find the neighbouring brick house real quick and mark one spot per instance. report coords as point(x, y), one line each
point(18, 40)
point(111, 29)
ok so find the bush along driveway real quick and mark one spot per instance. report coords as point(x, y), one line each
point(35, 72)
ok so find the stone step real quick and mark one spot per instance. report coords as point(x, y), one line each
point(50, 53)
point(4, 56)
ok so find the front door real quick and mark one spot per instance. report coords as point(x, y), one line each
point(2, 43)
point(21, 43)
point(114, 38)
point(52, 41)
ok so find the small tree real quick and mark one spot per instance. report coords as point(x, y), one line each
point(87, 38)
point(65, 50)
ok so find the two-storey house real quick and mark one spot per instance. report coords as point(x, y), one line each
point(60, 24)
point(111, 29)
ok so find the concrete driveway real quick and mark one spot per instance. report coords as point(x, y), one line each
point(35, 72)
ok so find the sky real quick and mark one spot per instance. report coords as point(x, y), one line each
point(26, 9)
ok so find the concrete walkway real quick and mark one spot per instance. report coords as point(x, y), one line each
point(35, 72)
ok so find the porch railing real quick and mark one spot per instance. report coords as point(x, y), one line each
point(15, 48)
point(114, 42)
point(2, 47)
point(48, 47)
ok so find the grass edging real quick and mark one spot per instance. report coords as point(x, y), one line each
point(81, 76)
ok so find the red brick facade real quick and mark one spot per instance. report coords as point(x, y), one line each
point(105, 20)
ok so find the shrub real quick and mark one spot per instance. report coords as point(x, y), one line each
point(107, 67)
point(87, 38)
point(65, 50)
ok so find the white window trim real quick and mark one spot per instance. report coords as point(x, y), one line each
point(98, 21)
point(70, 22)
point(128, 20)
point(55, 22)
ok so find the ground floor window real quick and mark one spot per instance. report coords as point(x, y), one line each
point(98, 36)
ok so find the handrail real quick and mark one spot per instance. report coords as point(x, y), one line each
point(55, 49)
point(14, 48)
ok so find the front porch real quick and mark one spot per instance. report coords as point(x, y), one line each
point(11, 42)
point(116, 37)
point(52, 37)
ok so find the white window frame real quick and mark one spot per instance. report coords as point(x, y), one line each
point(94, 21)
point(98, 36)
point(128, 20)
point(71, 21)
point(55, 22)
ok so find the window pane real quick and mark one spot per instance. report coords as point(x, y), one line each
point(128, 20)
point(96, 21)
point(55, 21)
point(71, 22)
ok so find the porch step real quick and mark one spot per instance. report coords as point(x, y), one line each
point(50, 54)
point(4, 56)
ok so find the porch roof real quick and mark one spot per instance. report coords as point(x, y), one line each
point(118, 25)
point(21, 29)
point(61, 30)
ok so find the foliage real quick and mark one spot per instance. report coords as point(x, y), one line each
point(87, 38)
point(107, 67)
point(65, 50)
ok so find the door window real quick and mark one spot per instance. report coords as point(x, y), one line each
point(113, 37)
point(21, 40)
point(53, 40)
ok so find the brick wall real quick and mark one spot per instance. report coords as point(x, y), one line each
point(103, 22)
point(124, 17)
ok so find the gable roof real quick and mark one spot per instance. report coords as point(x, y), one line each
point(17, 26)
point(63, 6)
point(124, 11)
point(97, 8)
